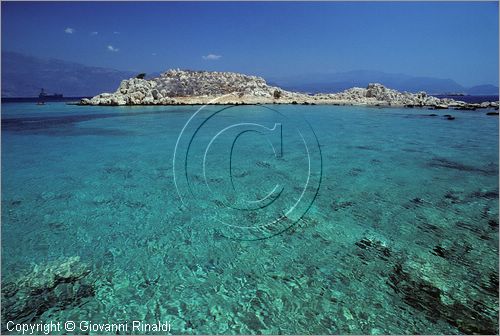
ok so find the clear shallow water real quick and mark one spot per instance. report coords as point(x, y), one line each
point(401, 238)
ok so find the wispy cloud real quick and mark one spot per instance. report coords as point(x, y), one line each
point(94, 33)
point(154, 54)
point(116, 32)
point(69, 30)
point(211, 57)
point(113, 49)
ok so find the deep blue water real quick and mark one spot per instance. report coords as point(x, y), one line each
point(388, 218)
point(472, 99)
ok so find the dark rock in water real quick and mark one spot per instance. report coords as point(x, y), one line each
point(263, 164)
point(439, 251)
point(491, 194)
point(478, 231)
point(366, 147)
point(433, 291)
point(492, 113)
point(445, 163)
point(455, 252)
point(373, 248)
point(430, 228)
point(418, 294)
point(492, 285)
point(433, 115)
point(449, 117)
point(468, 315)
point(364, 243)
point(336, 206)
point(452, 197)
point(493, 223)
point(58, 285)
point(417, 200)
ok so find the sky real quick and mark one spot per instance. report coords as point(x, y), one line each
point(457, 40)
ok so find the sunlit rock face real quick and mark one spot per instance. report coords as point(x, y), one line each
point(206, 87)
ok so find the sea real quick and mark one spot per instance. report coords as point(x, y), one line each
point(465, 98)
point(257, 219)
point(471, 99)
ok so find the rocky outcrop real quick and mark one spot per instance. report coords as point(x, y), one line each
point(204, 87)
point(179, 87)
point(377, 94)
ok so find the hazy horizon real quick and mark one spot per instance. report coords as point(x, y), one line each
point(290, 76)
point(457, 41)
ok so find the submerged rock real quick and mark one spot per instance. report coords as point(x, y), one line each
point(442, 301)
point(372, 247)
point(446, 286)
point(59, 284)
point(439, 162)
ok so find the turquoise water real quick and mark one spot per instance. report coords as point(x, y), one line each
point(399, 235)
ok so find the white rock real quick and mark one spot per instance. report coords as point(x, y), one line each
point(199, 86)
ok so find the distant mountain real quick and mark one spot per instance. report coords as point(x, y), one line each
point(487, 89)
point(24, 76)
point(335, 82)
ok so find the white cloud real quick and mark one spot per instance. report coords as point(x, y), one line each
point(116, 32)
point(111, 48)
point(69, 30)
point(154, 54)
point(211, 57)
point(94, 33)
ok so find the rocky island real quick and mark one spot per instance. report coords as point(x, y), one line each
point(185, 87)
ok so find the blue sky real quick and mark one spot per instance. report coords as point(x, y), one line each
point(457, 40)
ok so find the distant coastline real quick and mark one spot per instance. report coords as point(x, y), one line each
point(37, 99)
